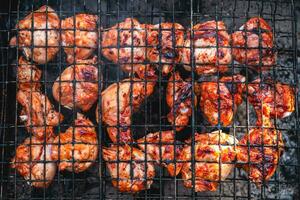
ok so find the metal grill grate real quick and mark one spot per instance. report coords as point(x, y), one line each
point(95, 183)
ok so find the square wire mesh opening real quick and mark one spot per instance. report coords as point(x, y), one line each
point(151, 115)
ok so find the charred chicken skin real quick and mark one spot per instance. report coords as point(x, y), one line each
point(124, 44)
point(38, 113)
point(39, 42)
point(271, 100)
point(211, 48)
point(119, 100)
point(33, 161)
point(163, 149)
point(214, 159)
point(86, 86)
point(179, 99)
point(254, 35)
point(29, 76)
point(77, 148)
point(262, 158)
point(129, 169)
point(164, 43)
point(82, 43)
point(220, 100)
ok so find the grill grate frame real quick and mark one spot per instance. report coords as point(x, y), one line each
point(88, 184)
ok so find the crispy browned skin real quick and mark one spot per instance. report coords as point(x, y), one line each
point(266, 148)
point(29, 162)
point(271, 100)
point(179, 99)
point(77, 148)
point(38, 112)
point(221, 104)
point(162, 147)
point(129, 169)
point(45, 42)
point(214, 159)
point(29, 76)
point(86, 86)
point(125, 46)
point(208, 58)
point(85, 36)
point(164, 43)
point(254, 33)
point(118, 101)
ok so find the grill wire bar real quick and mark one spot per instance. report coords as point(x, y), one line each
point(95, 183)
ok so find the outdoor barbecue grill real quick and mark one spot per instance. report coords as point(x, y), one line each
point(95, 183)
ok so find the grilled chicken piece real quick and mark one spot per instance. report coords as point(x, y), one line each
point(162, 147)
point(86, 86)
point(220, 100)
point(256, 34)
point(164, 43)
point(270, 99)
point(124, 44)
point(261, 159)
point(38, 113)
point(29, 76)
point(82, 43)
point(129, 167)
point(77, 148)
point(211, 46)
point(39, 42)
point(118, 101)
point(33, 161)
point(180, 103)
point(214, 159)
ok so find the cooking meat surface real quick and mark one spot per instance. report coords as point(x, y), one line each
point(220, 100)
point(125, 46)
point(164, 43)
point(38, 113)
point(33, 161)
point(43, 36)
point(29, 76)
point(211, 48)
point(254, 34)
point(119, 100)
point(85, 36)
point(214, 159)
point(129, 169)
point(179, 99)
point(86, 86)
point(163, 148)
point(261, 160)
point(76, 148)
point(270, 99)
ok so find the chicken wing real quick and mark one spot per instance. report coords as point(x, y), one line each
point(270, 99)
point(33, 161)
point(180, 103)
point(119, 100)
point(82, 43)
point(214, 159)
point(220, 100)
point(164, 43)
point(253, 44)
point(259, 152)
point(29, 76)
point(86, 85)
point(38, 113)
point(124, 44)
point(129, 168)
point(211, 48)
point(162, 147)
point(77, 148)
point(38, 35)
